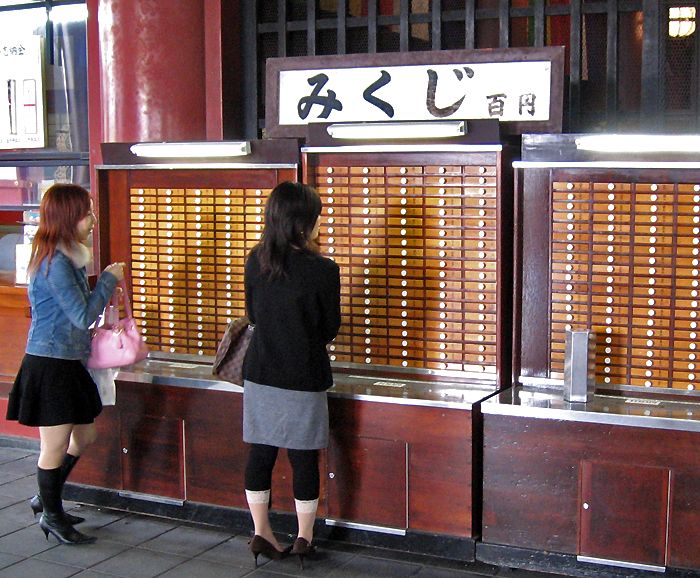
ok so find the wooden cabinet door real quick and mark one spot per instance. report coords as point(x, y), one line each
point(152, 455)
point(624, 512)
point(100, 465)
point(367, 481)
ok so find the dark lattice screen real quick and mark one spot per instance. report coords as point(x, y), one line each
point(680, 54)
point(623, 70)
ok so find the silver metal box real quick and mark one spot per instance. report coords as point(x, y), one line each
point(579, 365)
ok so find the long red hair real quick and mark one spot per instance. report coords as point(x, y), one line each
point(62, 208)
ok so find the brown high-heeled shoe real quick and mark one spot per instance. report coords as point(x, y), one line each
point(259, 545)
point(302, 547)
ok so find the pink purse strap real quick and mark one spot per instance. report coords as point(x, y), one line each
point(125, 298)
point(114, 301)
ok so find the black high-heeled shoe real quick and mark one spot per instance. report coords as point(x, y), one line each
point(65, 533)
point(37, 507)
point(259, 545)
point(302, 547)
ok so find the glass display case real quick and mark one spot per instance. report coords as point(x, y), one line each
point(43, 125)
point(23, 181)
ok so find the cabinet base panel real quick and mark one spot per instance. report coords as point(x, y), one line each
point(566, 564)
point(236, 520)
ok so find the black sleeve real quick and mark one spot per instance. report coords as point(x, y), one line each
point(248, 285)
point(329, 303)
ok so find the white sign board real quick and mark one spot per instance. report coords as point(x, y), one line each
point(21, 93)
point(507, 91)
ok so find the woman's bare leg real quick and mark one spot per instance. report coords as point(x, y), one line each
point(55, 440)
point(81, 437)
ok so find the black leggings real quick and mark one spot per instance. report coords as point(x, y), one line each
point(261, 461)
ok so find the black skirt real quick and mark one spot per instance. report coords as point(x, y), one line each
point(50, 391)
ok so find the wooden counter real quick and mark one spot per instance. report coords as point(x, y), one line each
point(613, 480)
point(400, 461)
point(14, 320)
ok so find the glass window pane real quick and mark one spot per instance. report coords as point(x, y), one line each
point(65, 70)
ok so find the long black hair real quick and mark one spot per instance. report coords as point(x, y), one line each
point(291, 212)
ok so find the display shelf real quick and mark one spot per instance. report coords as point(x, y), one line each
point(189, 226)
point(618, 253)
point(418, 237)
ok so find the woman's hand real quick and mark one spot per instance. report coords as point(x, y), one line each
point(116, 269)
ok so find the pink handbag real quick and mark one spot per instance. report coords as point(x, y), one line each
point(119, 343)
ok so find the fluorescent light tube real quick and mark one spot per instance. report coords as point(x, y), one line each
point(191, 149)
point(397, 130)
point(639, 143)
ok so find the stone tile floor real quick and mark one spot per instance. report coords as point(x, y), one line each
point(136, 546)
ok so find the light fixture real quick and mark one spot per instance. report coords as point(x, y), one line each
point(639, 143)
point(681, 21)
point(398, 130)
point(183, 150)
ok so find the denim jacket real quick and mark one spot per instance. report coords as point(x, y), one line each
point(64, 308)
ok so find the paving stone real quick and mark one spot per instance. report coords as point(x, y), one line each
point(204, 569)
point(83, 556)
point(33, 568)
point(138, 563)
point(186, 541)
point(133, 529)
point(26, 542)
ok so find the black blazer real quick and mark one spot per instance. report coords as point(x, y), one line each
point(295, 317)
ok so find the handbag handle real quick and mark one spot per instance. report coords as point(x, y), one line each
point(114, 301)
point(125, 298)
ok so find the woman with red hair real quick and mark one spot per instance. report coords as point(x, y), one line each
point(53, 390)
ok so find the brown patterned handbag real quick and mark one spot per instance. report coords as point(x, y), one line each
point(228, 363)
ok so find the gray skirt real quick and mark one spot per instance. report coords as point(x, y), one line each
point(285, 418)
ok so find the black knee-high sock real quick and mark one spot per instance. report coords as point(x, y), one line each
point(50, 490)
point(67, 466)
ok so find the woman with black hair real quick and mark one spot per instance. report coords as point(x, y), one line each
point(293, 300)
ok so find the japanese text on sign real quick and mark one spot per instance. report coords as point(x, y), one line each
point(507, 91)
point(22, 94)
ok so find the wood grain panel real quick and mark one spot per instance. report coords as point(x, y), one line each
point(532, 475)
point(215, 452)
point(15, 321)
point(523, 505)
point(439, 462)
point(216, 455)
point(101, 464)
point(203, 178)
point(212, 449)
point(367, 481)
point(623, 513)
point(684, 525)
point(15, 328)
point(437, 470)
point(152, 455)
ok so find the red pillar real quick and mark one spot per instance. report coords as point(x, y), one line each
point(152, 73)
